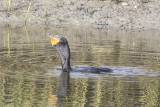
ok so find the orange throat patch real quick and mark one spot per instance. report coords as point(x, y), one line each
point(54, 40)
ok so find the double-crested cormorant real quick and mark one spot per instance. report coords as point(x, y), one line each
point(61, 45)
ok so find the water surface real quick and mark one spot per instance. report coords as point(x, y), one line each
point(30, 71)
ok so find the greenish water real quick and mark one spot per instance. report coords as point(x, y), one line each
point(30, 71)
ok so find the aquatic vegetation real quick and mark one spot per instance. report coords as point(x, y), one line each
point(27, 12)
point(9, 5)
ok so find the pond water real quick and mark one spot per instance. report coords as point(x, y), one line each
point(30, 68)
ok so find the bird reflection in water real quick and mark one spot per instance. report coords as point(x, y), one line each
point(56, 99)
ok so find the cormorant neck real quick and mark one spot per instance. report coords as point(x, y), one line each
point(64, 52)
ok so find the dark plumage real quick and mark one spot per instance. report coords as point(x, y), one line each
point(62, 47)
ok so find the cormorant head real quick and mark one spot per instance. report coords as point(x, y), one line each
point(57, 40)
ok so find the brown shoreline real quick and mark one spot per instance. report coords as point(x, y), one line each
point(96, 14)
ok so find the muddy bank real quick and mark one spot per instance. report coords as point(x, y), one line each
point(97, 14)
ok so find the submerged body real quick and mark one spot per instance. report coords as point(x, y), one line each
point(62, 47)
point(90, 69)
